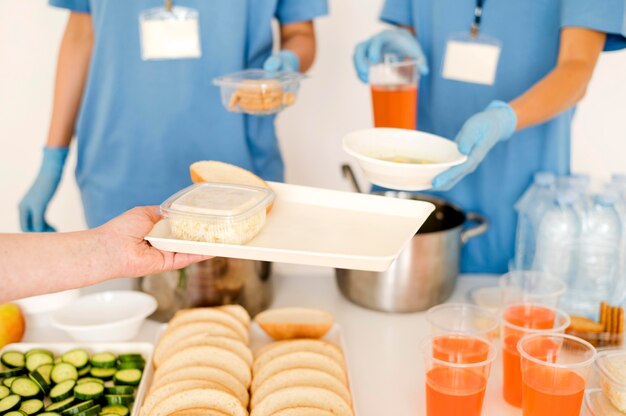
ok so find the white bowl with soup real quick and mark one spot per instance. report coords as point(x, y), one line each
point(405, 160)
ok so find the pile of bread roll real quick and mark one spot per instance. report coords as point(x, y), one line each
point(300, 374)
point(203, 366)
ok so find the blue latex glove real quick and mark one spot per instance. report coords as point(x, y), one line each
point(479, 134)
point(398, 42)
point(282, 61)
point(33, 206)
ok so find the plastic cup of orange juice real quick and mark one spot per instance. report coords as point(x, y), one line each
point(517, 321)
point(394, 92)
point(457, 370)
point(463, 318)
point(531, 287)
point(554, 372)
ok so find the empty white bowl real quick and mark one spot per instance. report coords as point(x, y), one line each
point(105, 316)
point(374, 148)
point(37, 309)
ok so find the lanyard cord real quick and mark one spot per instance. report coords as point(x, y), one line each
point(478, 14)
point(168, 5)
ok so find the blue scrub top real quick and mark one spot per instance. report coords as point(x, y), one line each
point(529, 34)
point(142, 123)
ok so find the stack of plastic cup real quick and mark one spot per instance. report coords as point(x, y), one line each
point(517, 321)
point(555, 368)
point(457, 370)
point(462, 318)
point(527, 286)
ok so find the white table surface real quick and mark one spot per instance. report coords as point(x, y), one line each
point(386, 368)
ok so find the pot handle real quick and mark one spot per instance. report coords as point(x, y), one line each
point(480, 228)
point(348, 173)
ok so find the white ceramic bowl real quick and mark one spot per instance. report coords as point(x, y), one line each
point(106, 316)
point(369, 148)
point(37, 309)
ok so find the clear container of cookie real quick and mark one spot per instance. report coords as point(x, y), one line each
point(259, 92)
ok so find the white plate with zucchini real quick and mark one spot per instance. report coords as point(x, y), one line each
point(73, 379)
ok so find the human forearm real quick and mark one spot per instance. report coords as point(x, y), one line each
point(566, 85)
point(299, 38)
point(71, 75)
point(50, 262)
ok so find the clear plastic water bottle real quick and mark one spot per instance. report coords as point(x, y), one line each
point(598, 264)
point(531, 207)
point(618, 185)
point(558, 231)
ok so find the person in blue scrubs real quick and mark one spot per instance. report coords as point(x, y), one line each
point(140, 123)
point(514, 125)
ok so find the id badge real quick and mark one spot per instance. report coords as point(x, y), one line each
point(473, 60)
point(170, 34)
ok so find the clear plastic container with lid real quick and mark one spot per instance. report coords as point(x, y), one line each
point(611, 370)
point(217, 213)
point(259, 92)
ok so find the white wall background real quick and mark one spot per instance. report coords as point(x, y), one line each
point(332, 103)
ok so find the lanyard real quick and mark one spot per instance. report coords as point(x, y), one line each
point(478, 14)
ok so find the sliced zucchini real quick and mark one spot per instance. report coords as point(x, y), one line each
point(130, 377)
point(103, 373)
point(9, 403)
point(92, 411)
point(25, 388)
point(84, 371)
point(116, 410)
point(8, 381)
point(49, 414)
point(63, 371)
point(61, 406)
point(4, 392)
point(62, 391)
point(123, 399)
point(130, 357)
point(119, 390)
point(34, 360)
point(89, 380)
point(124, 365)
point(88, 391)
point(12, 372)
point(38, 351)
point(104, 360)
point(45, 371)
point(78, 358)
point(13, 359)
point(15, 413)
point(58, 360)
point(78, 408)
point(40, 381)
point(31, 407)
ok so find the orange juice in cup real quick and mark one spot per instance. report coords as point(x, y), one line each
point(394, 93)
point(519, 320)
point(457, 370)
point(554, 370)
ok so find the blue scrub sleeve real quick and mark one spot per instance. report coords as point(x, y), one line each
point(607, 16)
point(398, 12)
point(80, 6)
point(292, 11)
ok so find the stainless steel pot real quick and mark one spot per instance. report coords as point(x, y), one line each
point(425, 272)
point(217, 281)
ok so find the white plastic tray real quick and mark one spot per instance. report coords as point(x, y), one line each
point(258, 339)
point(142, 348)
point(320, 227)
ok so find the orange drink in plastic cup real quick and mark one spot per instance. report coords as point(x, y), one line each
point(519, 320)
point(554, 372)
point(457, 370)
point(394, 93)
